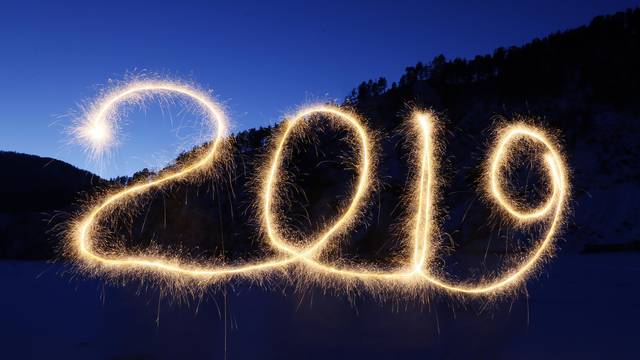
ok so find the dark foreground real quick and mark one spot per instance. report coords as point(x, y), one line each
point(583, 306)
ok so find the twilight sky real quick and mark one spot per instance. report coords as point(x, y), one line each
point(261, 59)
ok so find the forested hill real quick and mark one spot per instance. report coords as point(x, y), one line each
point(599, 61)
point(584, 83)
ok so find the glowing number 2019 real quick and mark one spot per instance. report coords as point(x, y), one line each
point(95, 131)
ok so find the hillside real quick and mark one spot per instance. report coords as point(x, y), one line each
point(37, 194)
point(584, 82)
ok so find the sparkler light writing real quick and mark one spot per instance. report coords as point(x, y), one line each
point(417, 272)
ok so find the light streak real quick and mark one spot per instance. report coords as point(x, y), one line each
point(416, 272)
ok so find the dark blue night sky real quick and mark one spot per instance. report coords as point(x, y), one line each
point(261, 59)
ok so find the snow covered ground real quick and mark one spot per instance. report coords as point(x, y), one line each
point(585, 306)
